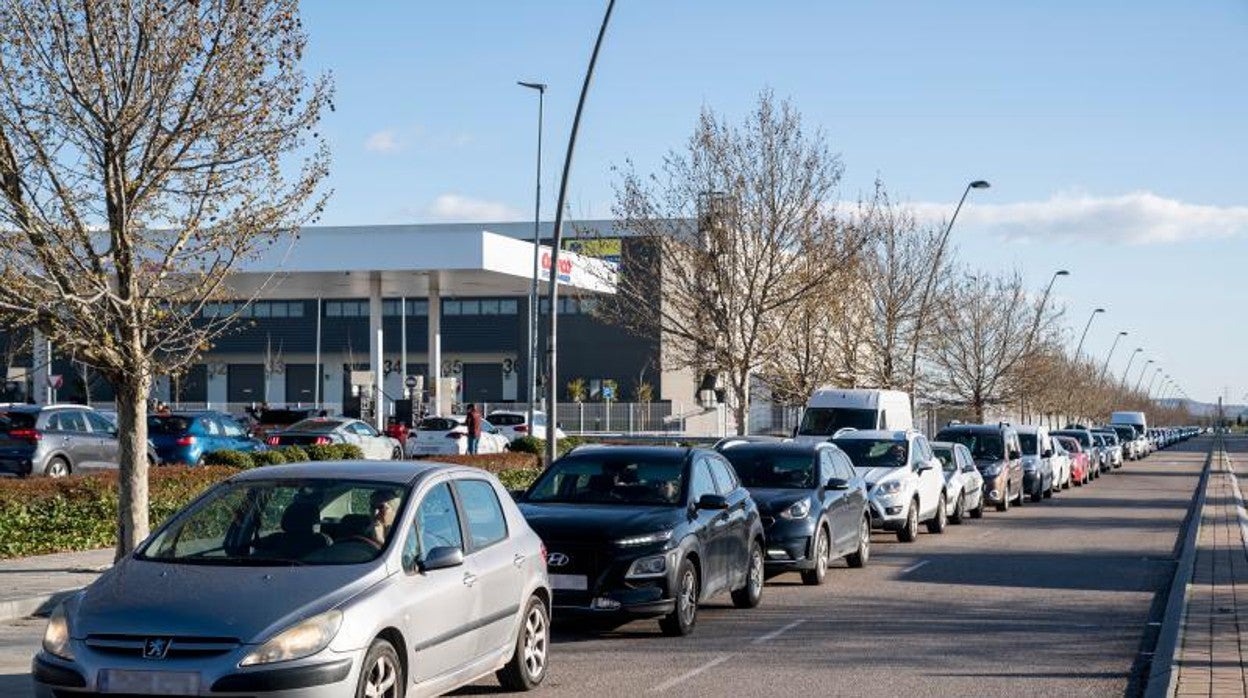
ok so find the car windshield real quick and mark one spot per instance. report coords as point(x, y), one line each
point(506, 420)
point(17, 420)
point(947, 461)
point(610, 480)
point(875, 453)
point(826, 421)
point(1125, 433)
point(1082, 437)
point(1069, 443)
point(282, 523)
point(760, 468)
point(1028, 442)
point(317, 425)
point(983, 446)
point(168, 424)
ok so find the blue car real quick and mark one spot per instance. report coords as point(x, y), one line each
point(186, 437)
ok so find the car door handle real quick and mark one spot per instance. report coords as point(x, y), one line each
point(469, 579)
point(518, 560)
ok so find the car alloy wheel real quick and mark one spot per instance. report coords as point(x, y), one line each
point(911, 530)
point(57, 467)
point(396, 454)
point(382, 676)
point(859, 557)
point(959, 511)
point(1004, 504)
point(816, 576)
point(527, 667)
point(938, 523)
point(535, 642)
point(749, 595)
point(683, 617)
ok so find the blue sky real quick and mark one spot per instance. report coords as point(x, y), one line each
point(1112, 132)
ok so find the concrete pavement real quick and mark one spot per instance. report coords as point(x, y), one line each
point(31, 585)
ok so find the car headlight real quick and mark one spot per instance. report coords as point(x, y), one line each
point(56, 636)
point(646, 539)
point(301, 640)
point(890, 487)
point(652, 566)
point(799, 510)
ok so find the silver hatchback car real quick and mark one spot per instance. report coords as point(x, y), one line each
point(317, 579)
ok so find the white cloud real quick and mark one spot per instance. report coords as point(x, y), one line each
point(453, 208)
point(1135, 218)
point(386, 141)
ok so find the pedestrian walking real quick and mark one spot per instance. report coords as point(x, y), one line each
point(473, 423)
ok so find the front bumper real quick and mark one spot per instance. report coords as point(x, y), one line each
point(596, 584)
point(889, 512)
point(994, 489)
point(790, 545)
point(1033, 481)
point(325, 675)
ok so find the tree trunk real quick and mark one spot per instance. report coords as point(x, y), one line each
point(132, 504)
point(742, 408)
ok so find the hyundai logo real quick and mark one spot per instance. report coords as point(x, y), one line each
point(558, 560)
point(155, 648)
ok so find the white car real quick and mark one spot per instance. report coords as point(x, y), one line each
point(322, 431)
point(962, 481)
point(1061, 464)
point(513, 425)
point(448, 436)
point(905, 482)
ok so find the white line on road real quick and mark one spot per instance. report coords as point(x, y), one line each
point(670, 683)
point(915, 566)
point(777, 633)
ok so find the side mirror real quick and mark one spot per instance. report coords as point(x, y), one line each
point(1047, 454)
point(441, 558)
point(713, 502)
point(968, 468)
point(923, 467)
point(837, 483)
point(1015, 455)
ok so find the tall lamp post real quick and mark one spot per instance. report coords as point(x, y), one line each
point(1143, 369)
point(552, 391)
point(1138, 350)
point(1079, 349)
point(925, 299)
point(1149, 389)
point(1035, 325)
point(533, 359)
point(1110, 355)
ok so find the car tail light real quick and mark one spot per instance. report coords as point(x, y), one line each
point(31, 435)
point(454, 435)
point(185, 441)
point(273, 441)
point(521, 428)
point(321, 441)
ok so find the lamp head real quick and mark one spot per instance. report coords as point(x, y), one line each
point(980, 184)
point(539, 86)
point(1062, 272)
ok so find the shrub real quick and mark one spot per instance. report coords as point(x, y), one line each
point(294, 454)
point(518, 479)
point(230, 458)
point(42, 515)
point(493, 462)
point(268, 458)
point(335, 452)
point(532, 444)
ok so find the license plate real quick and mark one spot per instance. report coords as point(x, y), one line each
point(168, 683)
point(569, 582)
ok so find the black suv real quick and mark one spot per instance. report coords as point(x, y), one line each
point(646, 531)
point(998, 456)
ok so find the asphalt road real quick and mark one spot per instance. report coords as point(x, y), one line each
point(1052, 599)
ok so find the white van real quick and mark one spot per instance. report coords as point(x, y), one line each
point(1135, 419)
point(831, 409)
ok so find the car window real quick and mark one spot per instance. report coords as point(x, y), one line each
point(488, 428)
point(72, 420)
point(98, 424)
point(701, 482)
point(486, 523)
point(362, 429)
point(827, 467)
point(506, 420)
point(611, 479)
point(210, 426)
point(948, 459)
point(725, 478)
point(436, 526)
point(437, 424)
point(229, 427)
point(875, 453)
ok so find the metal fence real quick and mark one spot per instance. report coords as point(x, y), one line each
point(607, 417)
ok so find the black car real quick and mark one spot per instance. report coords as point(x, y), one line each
point(646, 531)
point(813, 504)
point(998, 456)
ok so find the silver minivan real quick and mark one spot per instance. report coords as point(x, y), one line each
point(316, 579)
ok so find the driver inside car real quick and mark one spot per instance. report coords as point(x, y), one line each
point(385, 507)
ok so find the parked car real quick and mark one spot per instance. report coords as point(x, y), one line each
point(266, 421)
point(1115, 455)
point(443, 436)
point(1080, 464)
point(315, 579)
point(997, 455)
point(1088, 445)
point(186, 437)
point(812, 502)
point(322, 431)
point(831, 409)
point(1038, 476)
point(963, 478)
point(904, 479)
point(1060, 461)
point(646, 531)
point(57, 440)
point(513, 425)
point(1133, 447)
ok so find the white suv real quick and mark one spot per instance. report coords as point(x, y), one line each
point(905, 481)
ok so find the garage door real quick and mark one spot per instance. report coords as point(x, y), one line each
point(245, 383)
point(300, 383)
point(482, 383)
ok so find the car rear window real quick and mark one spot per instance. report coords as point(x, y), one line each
point(315, 426)
point(17, 420)
point(982, 445)
point(437, 424)
point(166, 424)
point(506, 420)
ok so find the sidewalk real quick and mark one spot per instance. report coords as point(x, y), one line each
point(1214, 646)
point(30, 585)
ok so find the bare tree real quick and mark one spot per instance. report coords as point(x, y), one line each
point(146, 148)
point(740, 227)
point(981, 337)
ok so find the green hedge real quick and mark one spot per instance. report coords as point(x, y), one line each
point(288, 454)
point(532, 444)
point(493, 462)
point(43, 515)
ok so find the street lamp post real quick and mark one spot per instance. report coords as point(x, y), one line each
point(1035, 325)
point(1138, 350)
point(931, 281)
point(1110, 355)
point(1079, 349)
point(552, 392)
point(1143, 369)
point(533, 359)
point(1149, 389)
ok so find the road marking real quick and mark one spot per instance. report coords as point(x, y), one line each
point(670, 683)
point(777, 633)
point(915, 566)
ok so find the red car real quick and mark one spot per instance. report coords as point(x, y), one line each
point(1080, 472)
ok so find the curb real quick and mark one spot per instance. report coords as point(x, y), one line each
point(40, 605)
point(1161, 682)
